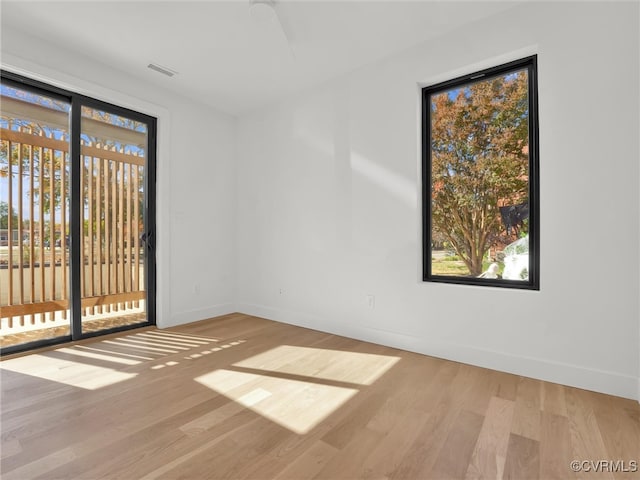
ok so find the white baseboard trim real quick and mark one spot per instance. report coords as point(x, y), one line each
point(190, 316)
point(612, 383)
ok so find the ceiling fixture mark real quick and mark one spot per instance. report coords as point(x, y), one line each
point(263, 10)
point(164, 70)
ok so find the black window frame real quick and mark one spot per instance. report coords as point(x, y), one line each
point(533, 283)
point(76, 101)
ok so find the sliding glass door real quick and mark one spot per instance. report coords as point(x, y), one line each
point(112, 176)
point(34, 216)
point(77, 216)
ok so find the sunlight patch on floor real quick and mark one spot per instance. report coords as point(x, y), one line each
point(75, 374)
point(97, 356)
point(337, 365)
point(296, 405)
point(123, 342)
point(323, 380)
point(104, 349)
point(182, 337)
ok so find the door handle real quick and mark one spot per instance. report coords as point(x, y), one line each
point(148, 240)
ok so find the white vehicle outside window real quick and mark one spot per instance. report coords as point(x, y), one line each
point(516, 260)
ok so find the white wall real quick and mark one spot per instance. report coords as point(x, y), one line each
point(328, 208)
point(196, 176)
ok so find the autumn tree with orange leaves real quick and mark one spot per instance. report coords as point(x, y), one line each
point(479, 162)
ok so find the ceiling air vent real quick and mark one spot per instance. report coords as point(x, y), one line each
point(160, 69)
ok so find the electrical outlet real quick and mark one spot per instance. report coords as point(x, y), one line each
point(371, 301)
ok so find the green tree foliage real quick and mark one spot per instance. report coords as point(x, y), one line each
point(48, 166)
point(43, 164)
point(479, 161)
point(4, 216)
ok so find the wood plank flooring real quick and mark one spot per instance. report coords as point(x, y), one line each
point(239, 397)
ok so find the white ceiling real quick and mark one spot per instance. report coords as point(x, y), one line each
point(229, 59)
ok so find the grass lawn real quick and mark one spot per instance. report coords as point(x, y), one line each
point(450, 266)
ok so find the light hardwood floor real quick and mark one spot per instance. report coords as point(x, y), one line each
point(241, 397)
